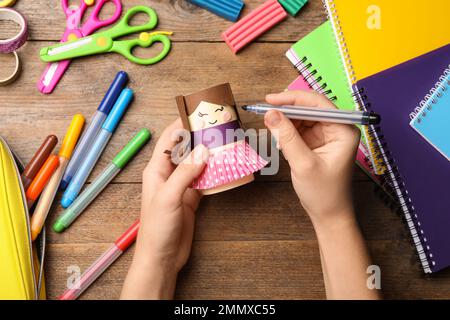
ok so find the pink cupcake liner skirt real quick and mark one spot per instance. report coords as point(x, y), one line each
point(228, 165)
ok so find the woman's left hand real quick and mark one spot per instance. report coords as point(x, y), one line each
point(167, 220)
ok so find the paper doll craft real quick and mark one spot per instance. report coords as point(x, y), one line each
point(211, 117)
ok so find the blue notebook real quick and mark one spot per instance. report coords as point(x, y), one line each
point(431, 119)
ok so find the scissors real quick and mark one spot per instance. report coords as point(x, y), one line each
point(103, 42)
point(74, 15)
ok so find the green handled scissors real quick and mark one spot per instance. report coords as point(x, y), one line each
point(103, 42)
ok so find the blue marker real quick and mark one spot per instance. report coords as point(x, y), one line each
point(91, 132)
point(97, 147)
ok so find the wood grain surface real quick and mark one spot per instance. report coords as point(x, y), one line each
point(252, 242)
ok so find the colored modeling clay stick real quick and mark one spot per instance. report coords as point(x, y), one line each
point(91, 132)
point(254, 24)
point(49, 192)
point(293, 6)
point(97, 186)
point(97, 147)
point(42, 177)
point(228, 9)
point(32, 168)
point(101, 264)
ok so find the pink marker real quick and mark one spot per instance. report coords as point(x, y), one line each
point(74, 15)
point(254, 24)
point(101, 264)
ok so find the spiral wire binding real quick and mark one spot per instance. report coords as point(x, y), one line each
point(308, 72)
point(432, 97)
point(330, 8)
point(393, 175)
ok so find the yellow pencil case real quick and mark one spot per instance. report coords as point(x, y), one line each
point(21, 261)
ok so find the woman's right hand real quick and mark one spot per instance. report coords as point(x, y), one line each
point(321, 156)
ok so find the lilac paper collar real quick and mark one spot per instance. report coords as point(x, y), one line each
point(216, 136)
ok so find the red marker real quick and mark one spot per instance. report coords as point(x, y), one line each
point(106, 259)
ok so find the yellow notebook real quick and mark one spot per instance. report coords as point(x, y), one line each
point(375, 35)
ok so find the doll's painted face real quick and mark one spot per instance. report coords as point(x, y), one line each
point(208, 115)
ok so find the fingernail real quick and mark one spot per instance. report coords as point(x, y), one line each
point(201, 154)
point(271, 95)
point(273, 118)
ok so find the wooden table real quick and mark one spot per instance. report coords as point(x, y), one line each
point(252, 242)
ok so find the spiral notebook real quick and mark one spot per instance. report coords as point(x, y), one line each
point(420, 175)
point(374, 35)
point(318, 62)
point(317, 59)
point(431, 119)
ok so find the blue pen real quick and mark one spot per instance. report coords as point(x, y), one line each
point(97, 147)
point(91, 132)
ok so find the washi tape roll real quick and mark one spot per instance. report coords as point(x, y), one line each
point(13, 76)
point(7, 3)
point(14, 43)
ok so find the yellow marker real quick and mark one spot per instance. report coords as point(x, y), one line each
point(89, 2)
point(49, 192)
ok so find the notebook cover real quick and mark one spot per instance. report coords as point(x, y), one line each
point(299, 84)
point(431, 119)
point(421, 175)
point(318, 60)
point(318, 50)
point(378, 34)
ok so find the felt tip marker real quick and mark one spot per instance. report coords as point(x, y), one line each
point(42, 177)
point(318, 114)
point(103, 262)
point(92, 130)
point(99, 183)
point(48, 194)
point(97, 147)
point(38, 159)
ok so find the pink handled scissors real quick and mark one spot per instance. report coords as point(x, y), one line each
point(74, 15)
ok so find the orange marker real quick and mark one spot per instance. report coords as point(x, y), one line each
point(44, 174)
point(48, 194)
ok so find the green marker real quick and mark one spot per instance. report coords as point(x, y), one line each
point(97, 186)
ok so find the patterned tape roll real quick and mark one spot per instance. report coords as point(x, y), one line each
point(14, 43)
point(13, 76)
point(6, 3)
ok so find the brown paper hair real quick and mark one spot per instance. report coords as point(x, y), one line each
point(220, 94)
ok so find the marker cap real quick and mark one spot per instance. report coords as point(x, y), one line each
point(38, 160)
point(42, 177)
point(118, 110)
point(132, 147)
point(128, 237)
point(113, 92)
point(72, 135)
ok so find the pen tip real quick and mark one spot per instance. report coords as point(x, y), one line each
point(244, 108)
point(374, 118)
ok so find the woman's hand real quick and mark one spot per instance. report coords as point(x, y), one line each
point(167, 220)
point(321, 155)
